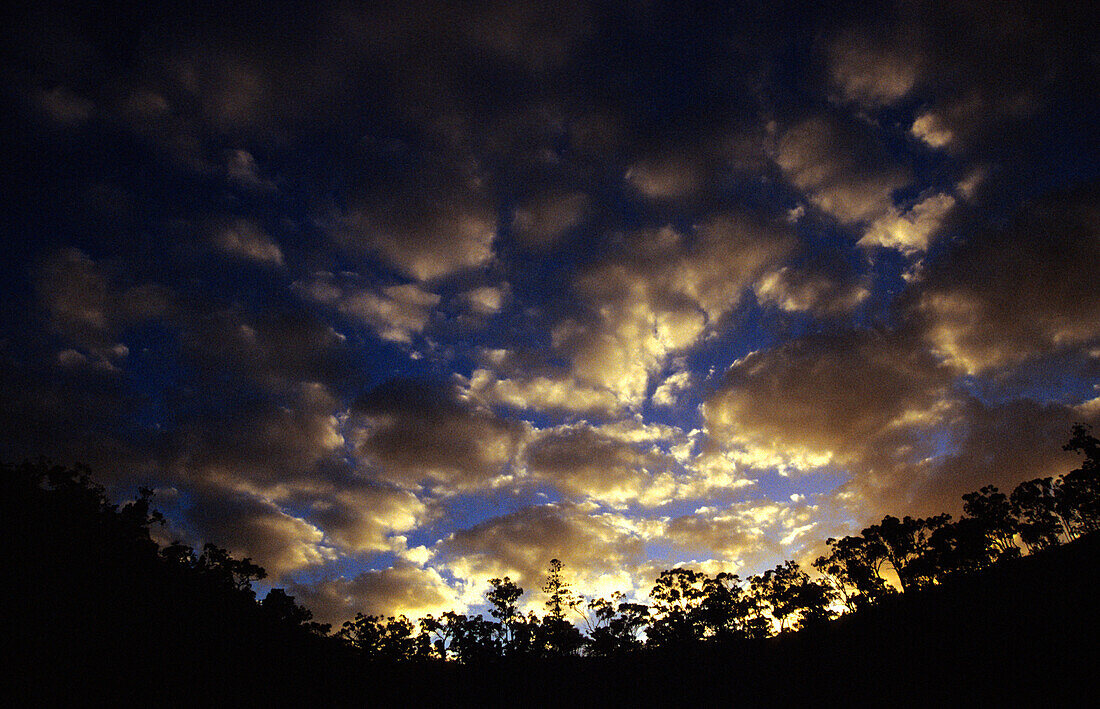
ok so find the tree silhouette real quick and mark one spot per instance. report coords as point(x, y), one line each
point(793, 598)
point(992, 510)
point(1035, 505)
point(284, 611)
point(613, 626)
point(464, 639)
point(556, 635)
point(855, 562)
point(677, 595)
point(514, 631)
point(903, 541)
point(724, 608)
point(1080, 489)
point(388, 639)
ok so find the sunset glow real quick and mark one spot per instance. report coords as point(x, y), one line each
point(396, 301)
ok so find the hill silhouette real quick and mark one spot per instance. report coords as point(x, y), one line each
point(98, 614)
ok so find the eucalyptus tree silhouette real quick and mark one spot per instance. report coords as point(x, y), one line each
point(1035, 506)
point(613, 626)
point(556, 635)
point(855, 563)
point(1080, 488)
point(389, 639)
point(902, 541)
point(677, 595)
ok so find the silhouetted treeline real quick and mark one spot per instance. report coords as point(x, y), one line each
point(688, 606)
point(96, 606)
point(997, 597)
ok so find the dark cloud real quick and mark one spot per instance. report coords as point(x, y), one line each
point(89, 307)
point(250, 526)
point(828, 229)
point(999, 444)
point(270, 348)
point(583, 462)
point(402, 588)
point(413, 433)
point(842, 166)
point(826, 398)
point(1007, 294)
point(599, 549)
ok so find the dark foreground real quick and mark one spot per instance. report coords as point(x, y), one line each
point(1020, 633)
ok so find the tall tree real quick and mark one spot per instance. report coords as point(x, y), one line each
point(1035, 505)
point(676, 594)
point(856, 563)
point(613, 626)
point(556, 634)
point(991, 508)
point(1080, 489)
point(515, 630)
point(724, 609)
point(903, 541)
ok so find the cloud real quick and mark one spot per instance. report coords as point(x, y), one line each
point(251, 526)
point(145, 107)
point(429, 217)
point(626, 463)
point(670, 178)
point(930, 128)
point(438, 243)
point(259, 443)
point(599, 550)
point(873, 71)
point(486, 300)
point(1009, 294)
point(242, 169)
point(583, 462)
point(64, 106)
point(537, 35)
point(359, 517)
point(748, 536)
point(245, 239)
point(841, 167)
point(881, 409)
point(845, 170)
point(828, 287)
point(411, 433)
point(273, 348)
point(85, 304)
point(396, 313)
point(661, 296)
point(666, 393)
point(541, 221)
point(71, 407)
point(1001, 444)
point(909, 231)
point(540, 393)
point(824, 398)
point(400, 589)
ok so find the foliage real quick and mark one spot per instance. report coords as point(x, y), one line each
point(388, 639)
point(613, 626)
point(105, 550)
point(1079, 493)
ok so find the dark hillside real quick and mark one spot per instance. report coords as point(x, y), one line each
point(1020, 633)
point(97, 614)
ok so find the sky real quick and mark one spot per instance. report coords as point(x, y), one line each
point(396, 298)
